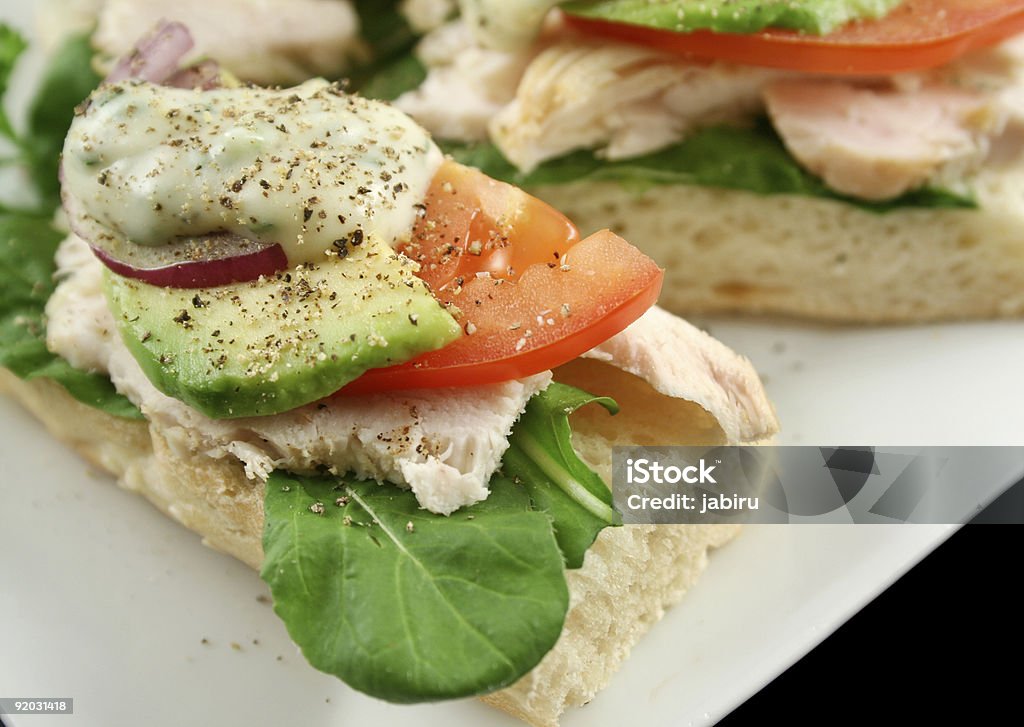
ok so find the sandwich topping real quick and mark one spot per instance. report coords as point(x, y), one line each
point(301, 168)
point(308, 241)
point(510, 24)
point(624, 80)
point(915, 35)
point(506, 24)
point(444, 444)
point(270, 43)
point(814, 17)
point(401, 273)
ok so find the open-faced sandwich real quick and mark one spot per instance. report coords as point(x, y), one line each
point(840, 159)
point(382, 378)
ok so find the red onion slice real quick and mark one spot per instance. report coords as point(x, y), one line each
point(204, 75)
point(204, 262)
point(157, 56)
point(207, 261)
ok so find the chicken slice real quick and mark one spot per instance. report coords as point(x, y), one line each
point(443, 443)
point(426, 15)
point(466, 84)
point(264, 41)
point(877, 143)
point(57, 20)
point(624, 100)
point(683, 363)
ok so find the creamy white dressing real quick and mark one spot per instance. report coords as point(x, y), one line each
point(506, 24)
point(304, 167)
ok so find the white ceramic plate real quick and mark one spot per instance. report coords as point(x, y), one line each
point(104, 600)
point(107, 601)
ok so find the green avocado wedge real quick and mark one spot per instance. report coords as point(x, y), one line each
point(274, 344)
point(816, 17)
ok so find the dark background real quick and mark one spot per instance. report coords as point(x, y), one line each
point(943, 640)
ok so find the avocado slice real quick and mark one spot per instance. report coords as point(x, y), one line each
point(274, 344)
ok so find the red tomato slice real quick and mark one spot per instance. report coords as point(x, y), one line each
point(529, 294)
point(919, 34)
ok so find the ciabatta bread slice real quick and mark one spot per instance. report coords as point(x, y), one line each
point(676, 386)
point(733, 251)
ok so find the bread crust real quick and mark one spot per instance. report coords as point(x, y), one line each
point(631, 574)
point(732, 251)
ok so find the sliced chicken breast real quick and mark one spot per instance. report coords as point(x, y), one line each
point(442, 443)
point(263, 41)
point(877, 143)
point(624, 100)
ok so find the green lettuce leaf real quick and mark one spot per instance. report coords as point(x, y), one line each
point(28, 239)
point(749, 159)
point(27, 245)
point(406, 605)
point(383, 27)
point(68, 79)
point(410, 606)
point(818, 17)
point(390, 39)
point(12, 45)
point(541, 457)
point(390, 80)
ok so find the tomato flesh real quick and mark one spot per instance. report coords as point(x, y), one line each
point(530, 295)
point(917, 35)
point(474, 224)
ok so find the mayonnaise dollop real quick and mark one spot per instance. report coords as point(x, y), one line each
point(303, 167)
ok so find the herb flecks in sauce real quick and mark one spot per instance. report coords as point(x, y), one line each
point(302, 167)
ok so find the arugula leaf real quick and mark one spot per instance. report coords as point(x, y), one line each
point(749, 159)
point(384, 29)
point(12, 45)
point(410, 606)
point(541, 457)
point(27, 244)
point(28, 240)
point(406, 605)
point(394, 78)
point(68, 79)
point(734, 16)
